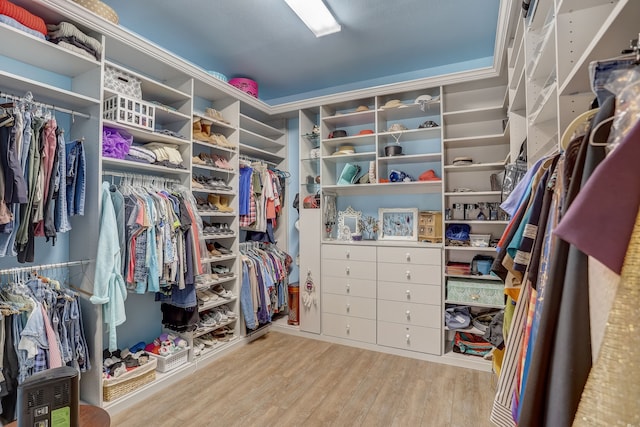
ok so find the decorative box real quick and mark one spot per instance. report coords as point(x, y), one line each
point(475, 292)
point(430, 226)
point(130, 111)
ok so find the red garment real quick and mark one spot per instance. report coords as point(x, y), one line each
point(23, 16)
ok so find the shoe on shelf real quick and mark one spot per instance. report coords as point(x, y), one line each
point(218, 289)
point(197, 160)
point(221, 249)
point(196, 184)
point(229, 313)
point(216, 115)
point(224, 205)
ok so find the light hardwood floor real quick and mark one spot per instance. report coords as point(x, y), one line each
point(284, 380)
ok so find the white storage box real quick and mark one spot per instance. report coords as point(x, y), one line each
point(480, 240)
point(172, 361)
point(130, 111)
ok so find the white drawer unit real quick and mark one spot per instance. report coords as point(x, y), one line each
point(349, 252)
point(409, 313)
point(410, 292)
point(350, 286)
point(349, 269)
point(349, 306)
point(354, 328)
point(426, 274)
point(430, 256)
point(409, 337)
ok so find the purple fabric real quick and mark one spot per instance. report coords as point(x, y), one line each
point(114, 143)
point(608, 201)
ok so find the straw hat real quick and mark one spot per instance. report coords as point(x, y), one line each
point(362, 108)
point(394, 103)
point(100, 9)
point(344, 150)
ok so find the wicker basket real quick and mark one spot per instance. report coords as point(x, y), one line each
point(100, 9)
point(114, 388)
point(172, 361)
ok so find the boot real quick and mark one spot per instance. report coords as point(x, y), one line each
point(215, 200)
point(197, 131)
point(224, 202)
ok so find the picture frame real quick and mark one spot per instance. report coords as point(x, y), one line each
point(348, 223)
point(398, 224)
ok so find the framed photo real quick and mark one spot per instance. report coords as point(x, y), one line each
point(398, 224)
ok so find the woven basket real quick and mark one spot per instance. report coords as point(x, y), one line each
point(100, 9)
point(117, 387)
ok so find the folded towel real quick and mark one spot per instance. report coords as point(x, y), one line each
point(66, 29)
point(23, 16)
point(15, 24)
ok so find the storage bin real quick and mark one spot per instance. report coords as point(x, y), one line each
point(475, 292)
point(130, 111)
point(122, 82)
point(480, 240)
point(172, 361)
point(130, 381)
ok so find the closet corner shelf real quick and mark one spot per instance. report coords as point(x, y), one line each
point(259, 141)
point(215, 147)
point(135, 167)
point(416, 187)
point(478, 141)
point(482, 114)
point(261, 154)
point(142, 135)
point(215, 122)
point(255, 126)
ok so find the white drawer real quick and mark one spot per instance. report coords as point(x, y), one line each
point(410, 313)
point(350, 286)
point(353, 328)
point(409, 292)
point(349, 306)
point(426, 274)
point(430, 256)
point(348, 269)
point(408, 337)
point(349, 252)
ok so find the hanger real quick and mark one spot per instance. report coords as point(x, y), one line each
point(579, 121)
point(601, 131)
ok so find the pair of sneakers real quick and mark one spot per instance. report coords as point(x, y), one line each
point(222, 292)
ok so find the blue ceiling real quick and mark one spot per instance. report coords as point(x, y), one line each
point(381, 41)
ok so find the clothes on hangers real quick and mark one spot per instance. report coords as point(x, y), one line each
point(261, 197)
point(35, 180)
point(44, 330)
point(264, 282)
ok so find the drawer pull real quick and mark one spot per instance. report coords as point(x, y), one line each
point(408, 313)
point(348, 270)
point(408, 294)
point(348, 254)
point(348, 328)
point(408, 255)
point(408, 274)
point(348, 288)
point(408, 339)
point(348, 307)
point(475, 297)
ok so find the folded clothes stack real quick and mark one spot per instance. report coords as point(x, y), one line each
point(166, 154)
point(68, 36)
point(21, 19)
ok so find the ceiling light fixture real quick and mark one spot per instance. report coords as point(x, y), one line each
point(315, 15)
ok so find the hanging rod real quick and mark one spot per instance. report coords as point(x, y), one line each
point(17, 98)
point(139, 176)
point(254, 159)
point(45, 266)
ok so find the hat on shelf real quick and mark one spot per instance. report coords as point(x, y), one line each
point(338, 133)
point(462, 161)
point(362, 108)
point(428, 124)
point(394, 103)
point(100, 9)
point(397, 127)
point(366, 132)
point(343, 150)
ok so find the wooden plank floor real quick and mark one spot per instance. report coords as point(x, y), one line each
point(284, 380)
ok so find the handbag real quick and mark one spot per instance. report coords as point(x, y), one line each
point(471, 344)
point(122, 82)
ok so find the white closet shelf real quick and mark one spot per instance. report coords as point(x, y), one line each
point(260, 154)
point(215, 147)
point(471, 248)
point(415, 187)
point(205, 331)
point(351, 119)
point(409, 111)
point(519, 99)
point(355, 157)
point(412, 134)
point(218, 258)
point(207, 285)
point(217, 214)
point(472, 193)
point(153, 90)
point(411, 158)
point(494, 112)
point(469, 330)
point(214, 236)
point(45, 93)
point(134, 167)
point(478, 141)
point(545, 59)
point(255, 126)
point(547, 106)
point(475, 167)
point(355, 140)
point(142, 135)
point(212, 191)
point(40, 53)
point(566, 6)
point(380, 243)
point(213, 168)
point(467, 361)
point(215, 122)
point(518, 67)
point(258, 141)
point(218, 347)
point(474, 304)
point(468, 276)
point(475, 221)
point(208, 305)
